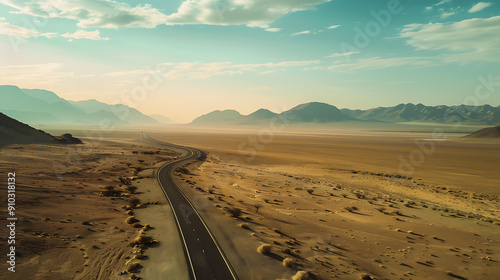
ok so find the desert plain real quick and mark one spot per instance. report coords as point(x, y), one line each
point(335, 203)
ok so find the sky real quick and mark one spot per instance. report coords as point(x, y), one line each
point(184, 58)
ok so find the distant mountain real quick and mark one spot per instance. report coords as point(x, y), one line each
point(256, 117)
point(217, 117)
point(162, 119)
point(484, 114)
point(315, 112)
point(489, 132)
point(37, 106)
point(123, 112)
point(15, 132)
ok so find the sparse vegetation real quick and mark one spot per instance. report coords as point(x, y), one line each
point(264, 249)
point(301, 275)
point(133, 202)
point(351, 209)
point(288, 262)
point(131, 220)
point(131, 189)
point(133, 266)
point(310, 191)
point(233, 211)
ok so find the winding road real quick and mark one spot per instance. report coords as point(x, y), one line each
point(204, 256)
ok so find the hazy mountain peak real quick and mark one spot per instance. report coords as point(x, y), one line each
point(218, 116)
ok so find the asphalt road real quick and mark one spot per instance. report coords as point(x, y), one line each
point(204, 256)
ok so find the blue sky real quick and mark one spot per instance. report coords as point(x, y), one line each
point(186, 58)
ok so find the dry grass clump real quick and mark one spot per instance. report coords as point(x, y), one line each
point(310, 191)
point(264, 249)
point(143, 240)
point(133, 266)
point(131, 220)
point(244, 225)
point(133, 202)
point(301, 275)
point(351, 209)
point(233, 211)
point(288, 262)
point(131, 189)
point(366, 277)
point(110, 191)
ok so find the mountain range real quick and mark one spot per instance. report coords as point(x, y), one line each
point(316, 112)
point(35, 106)
point(42, 106)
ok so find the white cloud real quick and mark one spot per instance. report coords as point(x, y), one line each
point(479, 7)
point(380, 63)
point(204, 70)
point(437, 4)
point(82, 34)
point(447, 14)
point(333, 26)
point(273, 29)
point(346, 54)
point(254, 13)
point(301, 33)
point(91, 13)
point(37, 74)
point(464, 41)
point(19, 31)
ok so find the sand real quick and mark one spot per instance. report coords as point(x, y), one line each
point(335, 202)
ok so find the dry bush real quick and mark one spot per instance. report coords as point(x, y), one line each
point(233, 211)
point(310, 191)
point(131, 267)
point(137, 225)
point(264, 249)
point(131, 189)
point(351, 208)
point(133, 202)
point(110, 191)
point(129, 212)
point(301, 275)
point(144, 239)
point(244, 225)
point(288, 262)
point(366, 277)
point(147, 226)
point(131, 220)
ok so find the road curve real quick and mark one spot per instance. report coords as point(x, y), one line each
point(204, 256)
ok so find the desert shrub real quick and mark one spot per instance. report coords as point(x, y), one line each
point(244, 225)
point(137, 225)
point(133, 266)
point(301, 275)
point(310, 191)
point(131, 189)
point(233, 211)
point(144, 239)
point(351, 208)
point(360, 195)
point(264, 249)
point(147, 226)
point(124, 180)
point(129, 212)
point(110, 191)
point(366, 277)
point(288, 262)
point(133, 202)
point(131, 220)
